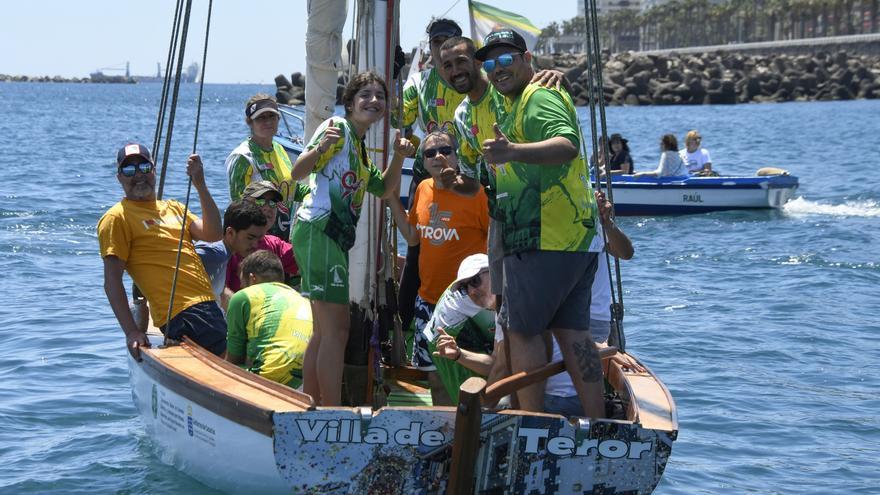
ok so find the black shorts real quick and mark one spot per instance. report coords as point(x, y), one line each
point(202, 322)
point(548, 289)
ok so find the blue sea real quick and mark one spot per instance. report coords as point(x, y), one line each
point(765, 325)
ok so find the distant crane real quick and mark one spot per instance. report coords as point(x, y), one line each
point(99, 76)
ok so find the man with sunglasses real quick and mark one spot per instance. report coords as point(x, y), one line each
point(544, 200)
point(268, 198)
point(140, 235)
point(427, 97)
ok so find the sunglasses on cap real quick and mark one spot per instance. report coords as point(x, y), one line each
point(132, 168)
point(432, 152)
point(503, 60)
point(261, 202)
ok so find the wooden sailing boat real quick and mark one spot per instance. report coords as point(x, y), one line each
point(240, 433)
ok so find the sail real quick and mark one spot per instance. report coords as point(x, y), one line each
point(326, 18)
point(486, 18)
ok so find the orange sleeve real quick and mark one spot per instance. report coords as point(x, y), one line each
point(114, 236)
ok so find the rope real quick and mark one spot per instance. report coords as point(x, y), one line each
point(597, 98)
point(160, 119)
point(175, 94)
point(195, 141)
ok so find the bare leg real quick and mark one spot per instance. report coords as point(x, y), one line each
point(310, 360)
point(439, 395)
point(334, 325)
point(583, 364)
point(527, 354)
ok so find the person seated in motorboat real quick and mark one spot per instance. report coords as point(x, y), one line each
point(671, 164)
point(260, 158)
point(244, 226)
point(621, 161)
point(140, 235)
point(695, 157)
point(560, 397)
point(269, 324)
point(445, 226)
point(340, 173)
point(268, 198)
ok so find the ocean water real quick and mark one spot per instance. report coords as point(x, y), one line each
point(765, 325)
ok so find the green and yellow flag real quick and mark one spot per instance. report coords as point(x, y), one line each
point(486, 18)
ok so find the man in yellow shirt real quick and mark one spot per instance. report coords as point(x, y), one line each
point(140, 235)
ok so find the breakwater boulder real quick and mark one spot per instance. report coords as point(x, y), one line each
point(723, 77)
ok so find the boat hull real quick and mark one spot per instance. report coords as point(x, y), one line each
point(211, 428)
point(683, 195)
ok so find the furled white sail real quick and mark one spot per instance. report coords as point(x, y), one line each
point(326, 18)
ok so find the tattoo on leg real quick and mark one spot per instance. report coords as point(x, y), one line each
point(588, 359)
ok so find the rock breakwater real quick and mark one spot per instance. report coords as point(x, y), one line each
point(723, 77)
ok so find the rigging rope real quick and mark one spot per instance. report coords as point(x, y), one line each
point(166, 83)
point(597, 98)
point(195, 139)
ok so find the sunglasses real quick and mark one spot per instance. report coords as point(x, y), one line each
point(271, 203)
point(503, 60)
point(132, 168)
point(432, 152)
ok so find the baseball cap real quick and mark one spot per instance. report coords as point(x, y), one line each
point(443, 27)
point(259, 188)
point(501, 37)
point(471, 266)
point(260, 107)
point(133, 149)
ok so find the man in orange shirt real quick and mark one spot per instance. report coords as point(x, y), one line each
point(446, 226)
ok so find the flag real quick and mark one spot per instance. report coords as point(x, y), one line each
point(486, 18)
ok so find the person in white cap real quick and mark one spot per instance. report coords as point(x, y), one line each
point(464, 312)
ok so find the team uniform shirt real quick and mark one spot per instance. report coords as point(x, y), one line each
point(473, 328)
point(270, 324)
point(427, 97)
point(451, 227)
point(280, 247)
point(696, 160)
point(145, 235)
point(474, 124)
point(250, 163)
point(338, 183)
point(215, 258)
point(547, 208)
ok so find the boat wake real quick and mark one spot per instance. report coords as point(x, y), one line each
point(863, 208)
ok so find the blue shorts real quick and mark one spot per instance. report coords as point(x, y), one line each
point(202, 322)
point(566, 406)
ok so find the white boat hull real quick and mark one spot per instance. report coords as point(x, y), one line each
point(205, 419)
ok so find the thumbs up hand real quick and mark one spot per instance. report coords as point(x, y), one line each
point(500, 149)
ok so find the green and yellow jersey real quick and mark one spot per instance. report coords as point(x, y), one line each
point(270, 324)
point(544, 207)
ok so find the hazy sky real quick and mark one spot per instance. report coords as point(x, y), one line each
point(251, 40)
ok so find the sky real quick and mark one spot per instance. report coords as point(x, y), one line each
point(251, 41)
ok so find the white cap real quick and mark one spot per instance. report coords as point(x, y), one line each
point(471, 266)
